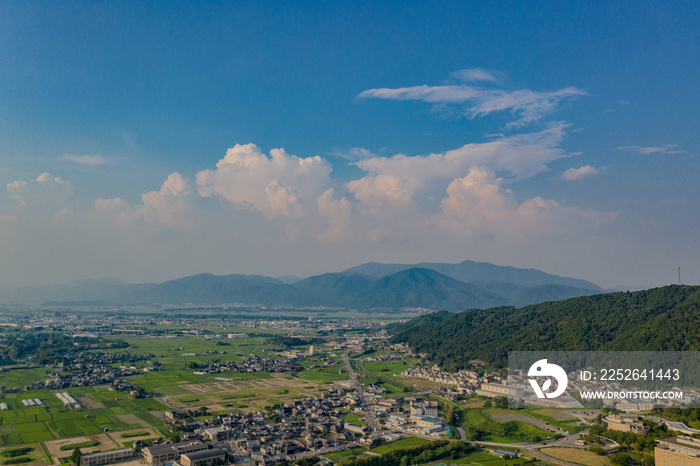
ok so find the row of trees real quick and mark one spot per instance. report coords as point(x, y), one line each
point(422, 454)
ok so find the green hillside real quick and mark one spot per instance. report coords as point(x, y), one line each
point(666, 318)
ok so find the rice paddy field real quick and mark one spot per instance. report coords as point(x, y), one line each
point(103, 410)
point(25, 454)
point(382, 373)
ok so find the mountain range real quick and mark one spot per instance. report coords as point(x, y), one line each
point(438, 286)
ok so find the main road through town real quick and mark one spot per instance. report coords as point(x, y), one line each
point(369, 415)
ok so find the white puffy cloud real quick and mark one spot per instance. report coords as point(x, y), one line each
point(578, 173)
point(256, 211)
point(477, 201)
point(46, 191)
point(86, 159)
point(171, 205)
point(338, 212)
point(283, 200)
point(115, 210)
point(395, 180)
point(116, 204)
point(477, 205)
point(279, 185)
point(383, 189)
point(526, 105)
point(174, 205)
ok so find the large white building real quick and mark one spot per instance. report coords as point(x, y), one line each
point(495, 389)
point(107, 457)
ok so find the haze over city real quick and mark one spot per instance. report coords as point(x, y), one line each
point(150, 142)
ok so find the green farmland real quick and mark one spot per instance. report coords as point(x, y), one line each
point(324, 375)
point(388, 367)
point(480, 426)
point(483, 458)
point(103, 410)
point(405, 443)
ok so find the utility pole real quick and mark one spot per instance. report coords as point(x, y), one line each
point(679, 276)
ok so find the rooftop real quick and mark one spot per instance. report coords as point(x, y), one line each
point(681, 441)
point(204, 454)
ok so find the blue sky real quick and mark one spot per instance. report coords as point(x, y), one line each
point(557, 136)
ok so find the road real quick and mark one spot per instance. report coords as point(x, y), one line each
point(369, 415)
point(673, 425)
point(534, 448)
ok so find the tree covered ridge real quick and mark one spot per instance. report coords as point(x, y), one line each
point(666, 318)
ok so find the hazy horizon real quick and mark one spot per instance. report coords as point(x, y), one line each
point(304, 276)
point(149, 142)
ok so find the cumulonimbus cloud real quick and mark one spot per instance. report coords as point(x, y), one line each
point(281, 184)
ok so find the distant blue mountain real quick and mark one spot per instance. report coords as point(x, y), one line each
point(478, 273)
point(452, 287)
point(419, 287)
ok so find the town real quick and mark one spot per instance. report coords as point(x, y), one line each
point(203, 391)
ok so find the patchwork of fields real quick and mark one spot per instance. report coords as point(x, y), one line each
point(255, 393)
point(51, 421)
point(110, 419)
point(105, 410)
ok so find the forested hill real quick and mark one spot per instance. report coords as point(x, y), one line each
point(666, 318)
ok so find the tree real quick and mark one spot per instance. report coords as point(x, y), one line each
point(308, 461)
point(510, 428)
point(596, 449)
point(621, 458)
point(500, 402)
point(75, 457)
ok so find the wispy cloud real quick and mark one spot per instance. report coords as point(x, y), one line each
point(86, 159)
point(477, 74)
point(665, 149)
point(355, 154)
point(527, 105)
point(578, 173)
